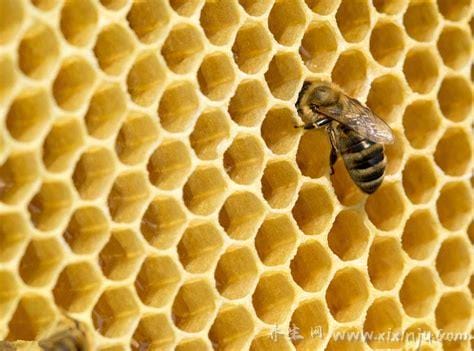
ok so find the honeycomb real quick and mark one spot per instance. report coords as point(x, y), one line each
point(153, 188)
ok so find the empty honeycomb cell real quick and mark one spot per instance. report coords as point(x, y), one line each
point(11, 18)
point(454, 312)
point(28, 114)
point(384, 316)
point(273, 298)
point(148, 337)
point(38, 51)
point(421, 20)
point(33, 316)
point(185, 7)
point(192, 345)
point(40, 262)
point(313, 163)
point(9, 292)
point(421, 123)
point(454, 205)
point(286, 21)
point(395, 152)
point(453, 261)
point(284, 75)
point(94, 172)
point(311, 266)
point(148, 19)
point(313, 209)
point(163, 221)
point(157, 281)
point(169, 165)
point(13, 233)
point(243, 160)
point(77, 287)
point(219, 20)
point(138, 133)
point(8, 77)
point(420, 235)
point(18, 175)
point(418, 292)
point(114, 312)
point(319, 47)
point(385, 262)
point(113, 4)
point(113, 49)
point(417, 333)
point(50, 206)
point(211, 129)
point(204, 191)
point(455, 98)
point(127, 196)
point(78, 21)
point(279, 183)
point(87, 230)
point(419, 179)
point(62, 144)
point(266, 341)
point(353, 19)
point(248, 105)
point(45, 5)
point(199, 247)
point(386, 207)
point(350, 71)
point(387, 43)
point(309, 314)
point(183, 48)
point(454, 45)
point(193, 306)
point(386, 97)
point(121, 255)
point(232, 328)
point(216, 76)
point(278, 130)
point(145, 79)
point(322, 7)
point(421, 70)
point(236, 272)
point(349, 236)
point(390, 7)
point(454, 10)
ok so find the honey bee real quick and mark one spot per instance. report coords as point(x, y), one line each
point(355, 132)
point(71, 336)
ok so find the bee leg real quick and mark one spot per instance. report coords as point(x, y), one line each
point(333, 154)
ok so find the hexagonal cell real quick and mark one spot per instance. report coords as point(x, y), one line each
point(148, 19)
point(236, 272)
point(113, 49)
point(145, 78)
point(266, 341)
point(313, 209)
point(278, 130)
point(418, 334)
point(185, 7)
point(386, 97)
point(386, 207)
point(313, 164)
point(349, 236)
point(163, 221)
point(454, 46)
point(286, 21)
point(219, 20)
point(87, 230)
point(17, 176)
point(78, 21)
point(421, 122)
point(454, 312)
point(94, 172)
point(9, 76)
point(114, 312)
point(385, 262)
point(395, 153)
point(311, 266)
point(421, 20)
point(350, 72)
point(353, 20)
point(50, 206)
point(322, 7)
point(40, 262)
point(232, 328)
point(199, 247)
point(454, 205)
point(319, 47)
point(62, 144)
point(453, 261)
point(455, 99)
point(38, 51)
point(390, 7)
point(419, 179)
point(73, 83)
point(138, 133)
point(243, 160)
point(279, 183)
point(9, 294)
point(122, 254)
point(148, 337)
point(216, 76)
point(454, 10)
point(275, 240)
point(420, 235)
point(183, 48)
point(28, 114)
point(387, 43)
point(192, 345)
point(210, 130)
point(421, 70)
point(204, 191)
point(11, 16)
point(308, 314)
point(13, 232)
point(383, 316)
point(249, 103)
point(33, 316)
point(77, 287)
point(178, 106)
point(418, 292)
point(284, 75)
point(193, 306)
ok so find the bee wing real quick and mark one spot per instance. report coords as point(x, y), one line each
point(359, 118)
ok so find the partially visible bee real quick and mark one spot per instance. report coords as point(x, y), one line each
point(70, 337)
point(355, 132)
